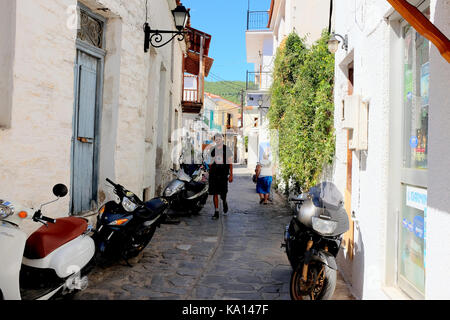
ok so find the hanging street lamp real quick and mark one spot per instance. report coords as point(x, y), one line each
point(333, 43)
point(154, 37)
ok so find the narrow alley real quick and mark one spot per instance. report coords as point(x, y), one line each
point(238, 256)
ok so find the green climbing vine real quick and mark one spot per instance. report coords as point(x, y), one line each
point(302, 109)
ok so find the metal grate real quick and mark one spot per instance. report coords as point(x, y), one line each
point(91, 30)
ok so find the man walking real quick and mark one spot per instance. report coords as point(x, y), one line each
point(220, 173)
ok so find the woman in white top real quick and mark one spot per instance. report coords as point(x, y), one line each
point(264, 172)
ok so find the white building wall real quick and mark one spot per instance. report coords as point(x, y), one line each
point(373, 49)
point(370, 169)
point(36, 150)
point(309, 18)
point(437, 275)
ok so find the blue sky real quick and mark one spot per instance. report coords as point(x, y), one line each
point(226, 22)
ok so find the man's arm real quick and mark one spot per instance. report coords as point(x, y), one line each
point(230, 179)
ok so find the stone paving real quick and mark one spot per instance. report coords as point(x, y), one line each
point(237, 257)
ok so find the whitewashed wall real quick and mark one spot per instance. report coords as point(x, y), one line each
point(373, 48)
point(368, 45)
point(36, 150)
point(437, 275)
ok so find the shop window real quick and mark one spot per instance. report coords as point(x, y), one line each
point(412, 223)
point(412, 235)
point(416, 95)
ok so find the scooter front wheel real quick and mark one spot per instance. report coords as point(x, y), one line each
point(139, 241)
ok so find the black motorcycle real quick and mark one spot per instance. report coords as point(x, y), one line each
point(124, 229)
point(188, 192)
point(312, 241)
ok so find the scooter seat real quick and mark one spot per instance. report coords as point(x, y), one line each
point(157, 205)
point(195, 186)
point(45, 240)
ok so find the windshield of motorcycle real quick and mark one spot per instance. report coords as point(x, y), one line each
point(183, 176)
point(327, 196)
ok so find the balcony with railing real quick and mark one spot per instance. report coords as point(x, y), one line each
point(192, 94)
point(257, 20)
point(259, 81)
point(197, 65)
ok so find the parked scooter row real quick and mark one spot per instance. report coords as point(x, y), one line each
point(57, 257)
point(312, 241)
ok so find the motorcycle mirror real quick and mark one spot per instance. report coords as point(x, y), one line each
point(60, 190)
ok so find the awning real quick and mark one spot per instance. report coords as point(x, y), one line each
point(423, 26)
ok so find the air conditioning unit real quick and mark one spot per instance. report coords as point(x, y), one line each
point(350, 108)
point(355, 118)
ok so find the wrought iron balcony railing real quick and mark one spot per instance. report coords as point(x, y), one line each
point(259, 80)
point(257, 20)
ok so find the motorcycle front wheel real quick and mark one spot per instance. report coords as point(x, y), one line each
point(319, 285)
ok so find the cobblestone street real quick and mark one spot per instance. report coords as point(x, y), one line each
point(235, 257)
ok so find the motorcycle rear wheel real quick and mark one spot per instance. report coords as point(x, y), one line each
point(320, 284)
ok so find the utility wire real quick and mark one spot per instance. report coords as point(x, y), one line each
point(229, 85)
point(226, 81)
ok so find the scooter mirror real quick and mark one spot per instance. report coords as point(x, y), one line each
point(60, 190)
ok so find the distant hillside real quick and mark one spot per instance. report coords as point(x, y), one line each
point(230, 90)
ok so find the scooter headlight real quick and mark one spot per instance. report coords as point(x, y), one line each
point(174, 187)
point(6, 209)
point(169, 192)
point(324, 226)
point(128, 205)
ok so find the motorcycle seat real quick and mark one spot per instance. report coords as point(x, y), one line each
point(157, 205)
point(195, 186)
point(45, 240)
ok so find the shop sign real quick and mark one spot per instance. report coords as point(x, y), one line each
point(416, 198)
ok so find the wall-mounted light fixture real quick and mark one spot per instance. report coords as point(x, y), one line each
point(260, 102)
point(154, 37)
point(333, 43)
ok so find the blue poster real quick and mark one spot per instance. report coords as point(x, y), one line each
point(419, 230)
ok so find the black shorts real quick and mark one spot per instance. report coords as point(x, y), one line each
point(218, 185)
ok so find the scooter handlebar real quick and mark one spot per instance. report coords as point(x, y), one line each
point(115, 185)
point(38, 217)
point(47, 219)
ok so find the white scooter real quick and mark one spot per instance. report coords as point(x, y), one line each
point(52, 260)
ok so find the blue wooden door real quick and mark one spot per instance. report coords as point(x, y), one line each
point(84, 133)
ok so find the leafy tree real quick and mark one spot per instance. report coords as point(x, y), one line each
point(302, 109)
point(230, 90)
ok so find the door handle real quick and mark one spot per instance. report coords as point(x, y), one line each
point(85, 140)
